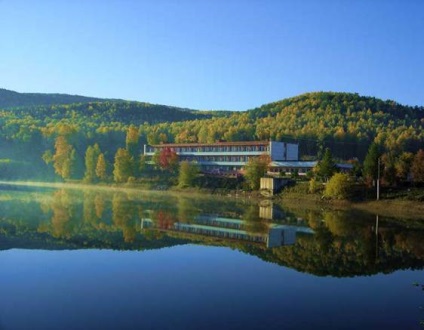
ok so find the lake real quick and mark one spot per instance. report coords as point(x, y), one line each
point(116, 259)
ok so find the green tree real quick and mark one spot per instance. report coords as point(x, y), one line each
point(68, 168)
point(255, 169)
point(326, 167)
point(91, 158)
point(123, 166)
point(417, 168)
point(187, 174)
point(338, 186)
point(142, 164)
point(371, 162)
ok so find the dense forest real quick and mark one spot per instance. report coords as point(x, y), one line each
point(34, 130)
point(346, 123)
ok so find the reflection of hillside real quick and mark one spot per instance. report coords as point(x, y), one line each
point(346, 249)
point(319, 242)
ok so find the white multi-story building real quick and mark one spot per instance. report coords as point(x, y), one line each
point(228, 156)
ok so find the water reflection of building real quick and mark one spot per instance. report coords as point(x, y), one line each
point(275, 235)
point(267, 210)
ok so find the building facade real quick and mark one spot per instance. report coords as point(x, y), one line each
point(228, 156)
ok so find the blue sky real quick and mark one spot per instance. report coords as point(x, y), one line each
point(233, 55)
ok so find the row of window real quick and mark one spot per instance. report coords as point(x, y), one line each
point(290, 170)
point(216, 149)
point(221, 233)
point(220, 224)
point(215, 158)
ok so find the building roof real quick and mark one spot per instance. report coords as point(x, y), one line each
point(239, 143)
point(298, 164)
point(306, 164)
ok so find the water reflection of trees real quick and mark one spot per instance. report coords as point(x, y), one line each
point(252, 222)
point(343, 243)
point(124, 216)
point(351, 243)
point(63, 222)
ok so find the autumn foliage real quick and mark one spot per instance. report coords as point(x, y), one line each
point(167, 159)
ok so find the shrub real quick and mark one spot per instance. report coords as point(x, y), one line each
point(338, 186)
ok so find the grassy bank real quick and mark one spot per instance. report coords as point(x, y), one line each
point(405, 203)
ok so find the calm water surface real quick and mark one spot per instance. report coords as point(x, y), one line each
point(116, 260)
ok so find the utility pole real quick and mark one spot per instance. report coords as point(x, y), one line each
point(378, 180)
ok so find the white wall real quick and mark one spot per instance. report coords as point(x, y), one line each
point(276, 150)
point(292, 151)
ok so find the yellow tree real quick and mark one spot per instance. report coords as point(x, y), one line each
point(64, 157)
point(101, 167)
point(131, 141)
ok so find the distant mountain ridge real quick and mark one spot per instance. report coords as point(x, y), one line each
point(62, 106)
point(9, 99)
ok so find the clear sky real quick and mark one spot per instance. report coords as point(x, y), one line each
point(217, 54)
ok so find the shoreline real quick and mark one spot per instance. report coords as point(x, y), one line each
point(394, 208)
point(397, 208)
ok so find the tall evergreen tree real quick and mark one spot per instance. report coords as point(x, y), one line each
point(326, 167)
point(371, 162)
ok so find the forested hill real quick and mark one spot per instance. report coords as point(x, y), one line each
point(97, 112)
point(336, 115)
point(10, 99)
point(108, 112)
point(343, 103)
point(345, 122)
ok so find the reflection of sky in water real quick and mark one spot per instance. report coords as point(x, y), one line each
point(193, 287)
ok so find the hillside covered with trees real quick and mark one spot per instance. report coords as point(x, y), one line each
point(346, 123)
point(61, 135)
point(10, 99)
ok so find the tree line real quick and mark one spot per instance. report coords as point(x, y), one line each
point(345, 123)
